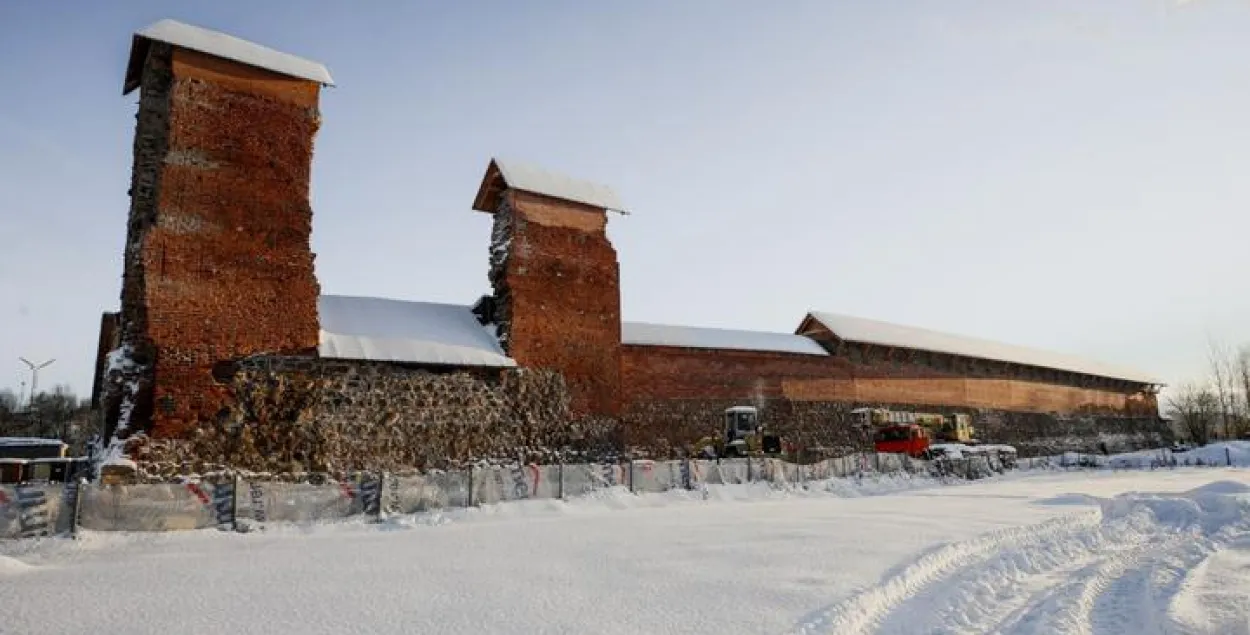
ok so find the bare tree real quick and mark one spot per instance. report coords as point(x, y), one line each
point(1230, 379)
point(1241, 376)
point(8, 404)
point(1197, 410)
point(1223, 378)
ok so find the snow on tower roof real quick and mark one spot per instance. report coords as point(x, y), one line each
point(507, 174)
point(220, 45)
point(380, 329)
point(866, 331)
point(646, 334)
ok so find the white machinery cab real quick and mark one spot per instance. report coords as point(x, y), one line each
point(741, 422)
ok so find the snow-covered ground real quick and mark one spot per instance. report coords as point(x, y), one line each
point(1068, 552)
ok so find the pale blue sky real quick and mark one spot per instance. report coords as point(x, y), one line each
point(1061, 174)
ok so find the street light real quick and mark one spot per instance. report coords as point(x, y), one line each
point(34, 377)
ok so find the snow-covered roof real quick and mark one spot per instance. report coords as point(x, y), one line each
point(20, 441)
point(866, 331)
point(381, 329)
point(220, 45)
point(647, 334)
point(530, 178)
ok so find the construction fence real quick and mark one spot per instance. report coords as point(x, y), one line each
point(36, 509)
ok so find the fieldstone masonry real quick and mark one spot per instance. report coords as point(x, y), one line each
point(300, 415)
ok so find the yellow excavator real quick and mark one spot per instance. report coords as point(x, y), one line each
point(743, 435)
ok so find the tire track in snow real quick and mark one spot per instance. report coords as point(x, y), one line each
point(1118, 571)
point(866, 609)
point(1102, 596)
point(1209, 597)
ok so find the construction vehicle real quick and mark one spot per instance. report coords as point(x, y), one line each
point(911, 433)
point(743, 435)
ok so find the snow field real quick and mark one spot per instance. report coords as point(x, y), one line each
point(1134, 563)
point(1046, 552)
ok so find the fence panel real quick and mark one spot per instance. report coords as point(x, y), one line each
point(656, 476)
point(34, 510)
point(820, 471)
point(157, 507)
point(889, 463)
point(734, 471)
point(702, 471)
point(584, 478)
point(413, 494)
point(10, 514)
point(547, 481)
point(298, 502)
point(496, 484)
point(780, 472)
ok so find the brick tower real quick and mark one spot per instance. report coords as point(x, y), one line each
point(218, 263)
point(556, 279)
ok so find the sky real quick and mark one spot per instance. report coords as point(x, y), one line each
point(1061, 174)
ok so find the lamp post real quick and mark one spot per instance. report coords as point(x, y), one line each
point(34, 378)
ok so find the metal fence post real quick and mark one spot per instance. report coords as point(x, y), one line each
point(750, 476)
point(1228, 456)
point(234, 503)
point(470, 498)
point(630, 476)
point(381, 489)
point(560, 467)
point(73, 519)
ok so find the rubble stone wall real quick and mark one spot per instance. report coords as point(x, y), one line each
point(294, 415)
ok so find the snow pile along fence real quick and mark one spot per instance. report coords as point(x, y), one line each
point(41, 509)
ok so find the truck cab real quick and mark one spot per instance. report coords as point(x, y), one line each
point(910, 439)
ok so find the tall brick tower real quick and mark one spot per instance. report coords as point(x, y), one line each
point(556, 279)
point(218, 263)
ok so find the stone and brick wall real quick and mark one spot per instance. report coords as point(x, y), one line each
point(675, 396)
point(218, 264)
point(557, 295)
